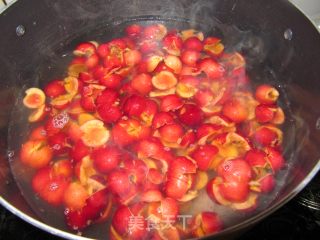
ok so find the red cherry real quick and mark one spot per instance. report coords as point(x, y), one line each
point(162, 118)
point(107, 97)
point(193, 43)
point(234, 191)
point(211, 68)
point(133, 30)
point(109, 114)
point(54, 88)
point(106, 159)
point(235, 111)
point(204, 154)
point(112, 81)
point(190, 115)
point(190, 57)
point(134, 105)
point(236, 170)
point(79, 151)
point(171, 133)
point(142, 83)
point(119, 182)
point(170, 103)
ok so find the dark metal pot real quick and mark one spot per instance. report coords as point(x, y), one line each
point(280, 44)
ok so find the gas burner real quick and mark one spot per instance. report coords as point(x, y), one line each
point(310, 196)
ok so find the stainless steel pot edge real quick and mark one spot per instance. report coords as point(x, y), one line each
point(40, 225)
point(315, 20)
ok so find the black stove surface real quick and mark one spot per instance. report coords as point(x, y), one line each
point(297, 220)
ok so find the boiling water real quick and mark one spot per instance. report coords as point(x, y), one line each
point(233, 38)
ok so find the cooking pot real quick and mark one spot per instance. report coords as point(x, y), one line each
point(280, 44)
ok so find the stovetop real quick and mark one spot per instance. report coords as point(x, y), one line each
point(297, 220)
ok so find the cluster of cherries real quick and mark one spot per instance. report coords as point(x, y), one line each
point(142, 124)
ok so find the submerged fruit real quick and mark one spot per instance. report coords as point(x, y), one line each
point(132, 135)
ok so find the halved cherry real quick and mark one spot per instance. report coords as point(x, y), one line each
point(106, 159)
point(107, 97)
point(162, 118)
point(190, 57)
point(174, 63)
point(119, 181)
point(265, 136)
point(170, 102)
point(275, 158)
point(164, 80)
point(94, 133)
point(50, 188)
point(235, 110)
point(149, 112)
point(171, 133)
point(150, 147)
point(279, 116)
point(58, 143)
point(38, 114)
point(39, 133)
point(211, 68)
point(54, 88)
point(132, 57)
point(109, 114)
point(77, 66)
point(127, 131)
point(193, 43)
point(266, 94)
point(127, 224)
point(112, 81)
point(204, 155)
point(187, 86)
point(134, 105)
point(34, 98)
point(213, 46)
point(151, 196)
point(142, 83)
point(265, 113)
point(71, 85)
point(176, 188)
point(35, 153)
point(155, 32)
point(88, 103)
point(206, 223)
point(63, 168)
point(188, 138)
point(256, 158)
point(79, 151)
point(73, 131)
point(172, 43)
point(75, 196)
point(85, 49)
point(62, 101)
point(206, 130)
point(181, 165)
point(267, 183)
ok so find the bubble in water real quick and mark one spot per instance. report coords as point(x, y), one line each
point(56, 147)
point(60, 120)
point(53, 187)
point(10, 154)
point(288, 34)
point(20, 30)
